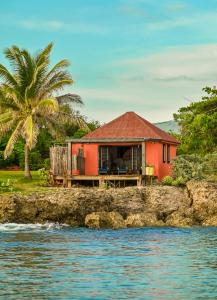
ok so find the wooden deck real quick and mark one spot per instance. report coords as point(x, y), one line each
point(100, 180)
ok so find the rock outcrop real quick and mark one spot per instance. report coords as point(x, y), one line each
point(104, 220)
point(116, 208)
point(204, 202)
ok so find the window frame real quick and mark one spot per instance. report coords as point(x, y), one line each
point(168, 154)
point(164, 153)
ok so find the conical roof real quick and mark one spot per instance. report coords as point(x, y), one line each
point(130, 125)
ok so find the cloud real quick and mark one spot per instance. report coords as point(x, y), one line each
point(177, 78)
point(133, 11)
point(57, 25)
point(194, 21)
point(104, 104)
point(176, 64)
point(169, 24)
point(176, 7)
point(42, 25)
point(154, 85)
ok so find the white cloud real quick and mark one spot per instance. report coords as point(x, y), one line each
point(177, 6)
point(56, 25)
point(185, 63)
point(193, 21)
point(155, 85)
point(41, 25)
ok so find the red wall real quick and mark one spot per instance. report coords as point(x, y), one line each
point(90, 155)
point(154, 156)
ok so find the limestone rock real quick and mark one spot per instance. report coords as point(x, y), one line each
point(178, 220)
point(7, 209)
point(211, 221)
point(164, 200)
point(101, 208)
point(204, 199)
point(143, 219)
point(104, 220)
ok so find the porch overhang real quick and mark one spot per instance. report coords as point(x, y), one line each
point(115, 140)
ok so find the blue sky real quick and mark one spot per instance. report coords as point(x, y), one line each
point(148, 56)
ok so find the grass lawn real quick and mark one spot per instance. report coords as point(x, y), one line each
point(21, 184)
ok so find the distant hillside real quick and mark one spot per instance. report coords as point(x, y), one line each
point(168, 126)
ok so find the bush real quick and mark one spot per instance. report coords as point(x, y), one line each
point(6, 186)
point(47, 163)
point(44, 176)
point(180, 181)
point(210, 166)
point(167, 180)
point(188, 167)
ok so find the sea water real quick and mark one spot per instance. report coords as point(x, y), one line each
point(58, 262)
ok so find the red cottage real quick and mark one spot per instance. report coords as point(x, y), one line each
point(129, 147)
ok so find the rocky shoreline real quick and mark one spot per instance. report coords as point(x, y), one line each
point(116, 208)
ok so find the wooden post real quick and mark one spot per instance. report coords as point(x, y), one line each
point(143, 158)
point(69, 164)
point(139, 181)
point(69, 159)
point(69, 183)
point(101, 183)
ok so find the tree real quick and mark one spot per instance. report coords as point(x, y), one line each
point(27, 100)
point(198, 123)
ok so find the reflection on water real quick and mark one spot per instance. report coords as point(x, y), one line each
point(54, 262)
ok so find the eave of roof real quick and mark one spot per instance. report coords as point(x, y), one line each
point(116, 140)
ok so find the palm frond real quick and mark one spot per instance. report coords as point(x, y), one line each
point(14, 55)
point(35, 134)
point(7, 121)
point(69, 98)
point(5, 117)
point(57, 82)
point(29, 65)
point(72, 118)
point(62, 64)
point(47, 107)
point(43, 56)
point(29, 132)
point(11, 96)
point(5, 127)
point(13, 139)
point(59, 85)
point(7, 76)
point(55, 129)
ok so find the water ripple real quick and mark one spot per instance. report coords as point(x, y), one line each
point(56, 262)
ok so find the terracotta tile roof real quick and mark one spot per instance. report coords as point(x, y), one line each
point(130, 125)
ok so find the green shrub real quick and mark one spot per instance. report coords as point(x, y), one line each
point(195, 167)
point(44, 176)
point(6, 186)
point(167, 180)
point(210, 166)
point(179, 181)
point(47, 163)
point(188, 167)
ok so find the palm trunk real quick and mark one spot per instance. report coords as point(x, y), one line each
point(27, 173)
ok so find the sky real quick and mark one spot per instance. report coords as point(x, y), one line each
point(147, 56)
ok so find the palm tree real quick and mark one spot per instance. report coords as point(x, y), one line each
point(27, 101)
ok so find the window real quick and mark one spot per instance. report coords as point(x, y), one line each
point(168, 153)
point(164, 153)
